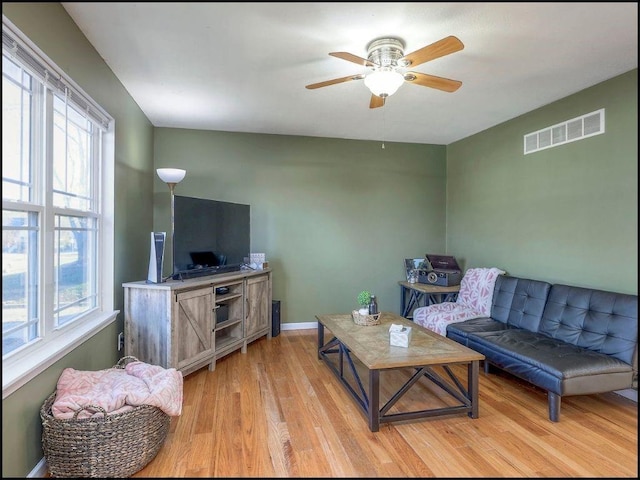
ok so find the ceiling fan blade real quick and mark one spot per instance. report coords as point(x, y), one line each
point(334, 81)
point(438, 49)
point(444, 84)
point(349, 57)
point(376, 101)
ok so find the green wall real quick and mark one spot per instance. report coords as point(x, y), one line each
point(49, 27)
point(567, 214)
point(333, 216)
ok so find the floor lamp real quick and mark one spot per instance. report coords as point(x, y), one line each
point(172, 176)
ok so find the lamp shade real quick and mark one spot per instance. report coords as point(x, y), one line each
point(384, 82)
point(171, 175)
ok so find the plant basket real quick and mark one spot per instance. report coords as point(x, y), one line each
point(111, 445)
point(365, 320)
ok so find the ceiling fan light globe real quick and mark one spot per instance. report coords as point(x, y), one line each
point(384, 83)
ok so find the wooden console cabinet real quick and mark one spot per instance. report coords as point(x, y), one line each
point(187, 324)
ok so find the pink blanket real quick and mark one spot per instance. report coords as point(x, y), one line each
point(474, 301)
point(118, 390)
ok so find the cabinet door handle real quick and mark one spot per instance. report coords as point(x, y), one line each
point(246, 315)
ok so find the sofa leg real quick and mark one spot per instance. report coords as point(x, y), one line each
point(554, 406)
point(486, 366)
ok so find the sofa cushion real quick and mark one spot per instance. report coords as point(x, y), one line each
point(552, 364)
point(460, 331)
point(596, 320)
point(519, 302)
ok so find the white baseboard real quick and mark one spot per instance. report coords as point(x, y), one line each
point(298, 326)
point(40, 470)
point(630, 393)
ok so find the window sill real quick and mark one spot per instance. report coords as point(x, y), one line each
point(19, 370)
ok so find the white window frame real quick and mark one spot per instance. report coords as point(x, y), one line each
point(27, 362)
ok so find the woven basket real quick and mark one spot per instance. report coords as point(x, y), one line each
point(116, 445)
point(365, 320)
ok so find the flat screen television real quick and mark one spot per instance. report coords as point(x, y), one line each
point(210, 233)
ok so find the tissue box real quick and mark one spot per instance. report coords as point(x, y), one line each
point(399, 337)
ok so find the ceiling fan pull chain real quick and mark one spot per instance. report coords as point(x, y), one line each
point(383, 127)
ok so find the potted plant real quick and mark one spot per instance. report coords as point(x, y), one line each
point(363, 299)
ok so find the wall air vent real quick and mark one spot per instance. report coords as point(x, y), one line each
point(565, 132)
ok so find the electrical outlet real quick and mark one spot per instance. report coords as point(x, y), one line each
point(120, 341)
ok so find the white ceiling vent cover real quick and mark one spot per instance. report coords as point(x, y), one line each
point(575, 129)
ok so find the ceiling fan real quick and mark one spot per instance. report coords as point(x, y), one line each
point(387, 61)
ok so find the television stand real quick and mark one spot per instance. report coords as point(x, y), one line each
point(189, 324)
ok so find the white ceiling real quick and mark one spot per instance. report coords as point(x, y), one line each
point(243, 67)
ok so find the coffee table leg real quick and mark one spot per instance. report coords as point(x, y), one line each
point(373, 409)
point(320, 338)
point(473, 374)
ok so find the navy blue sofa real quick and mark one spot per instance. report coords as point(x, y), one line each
point(566, 340)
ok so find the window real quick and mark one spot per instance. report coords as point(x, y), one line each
point(57, 212)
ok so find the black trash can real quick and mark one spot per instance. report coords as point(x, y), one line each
point(275, 318)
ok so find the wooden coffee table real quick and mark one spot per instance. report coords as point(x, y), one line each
point(370, 346)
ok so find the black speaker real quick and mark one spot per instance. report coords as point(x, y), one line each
point(275, 318)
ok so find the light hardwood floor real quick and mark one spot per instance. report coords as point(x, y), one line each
point(277, 411)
